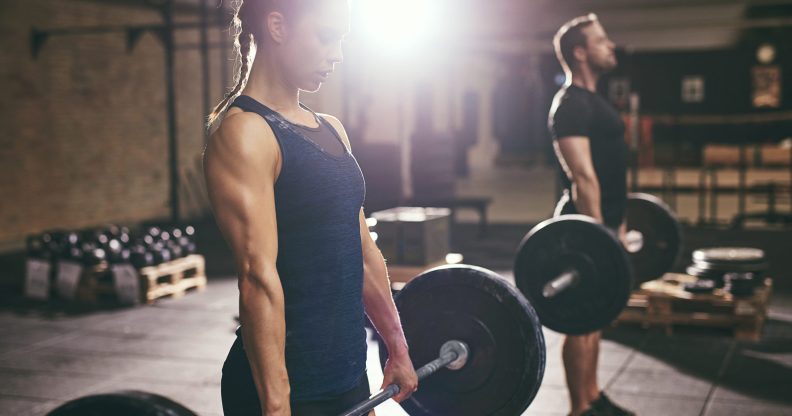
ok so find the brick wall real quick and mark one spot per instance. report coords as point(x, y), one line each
point(84, 133)
point(84, 127)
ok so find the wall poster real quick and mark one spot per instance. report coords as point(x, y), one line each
point(766, 86)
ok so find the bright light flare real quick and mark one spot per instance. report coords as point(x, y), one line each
point(398, 26)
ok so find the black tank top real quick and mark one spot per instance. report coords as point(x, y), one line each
point(318, 197)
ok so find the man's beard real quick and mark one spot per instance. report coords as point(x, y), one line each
point(603, 67)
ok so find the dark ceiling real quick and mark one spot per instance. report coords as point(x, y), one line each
point(521, 25)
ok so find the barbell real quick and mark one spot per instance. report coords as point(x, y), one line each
point(577, 275)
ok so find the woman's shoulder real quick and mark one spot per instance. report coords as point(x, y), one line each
point(336, 124)
point(243, 133)
point(238, 123)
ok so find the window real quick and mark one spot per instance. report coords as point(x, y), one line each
point(693, 89)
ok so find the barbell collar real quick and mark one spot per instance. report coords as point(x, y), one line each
point(460, 349)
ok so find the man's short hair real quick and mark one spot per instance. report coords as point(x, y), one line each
point(569, 36)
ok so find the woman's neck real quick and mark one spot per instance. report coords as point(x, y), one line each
point(268, 87)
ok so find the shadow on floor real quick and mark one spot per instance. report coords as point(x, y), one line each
point(740, 370)
point(51, 309)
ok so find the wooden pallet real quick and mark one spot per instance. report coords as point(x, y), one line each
point(173, 279)
point(665, 303)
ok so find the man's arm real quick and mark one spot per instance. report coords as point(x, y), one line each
point(575, 157)
point(240, 167)
point(378, 302)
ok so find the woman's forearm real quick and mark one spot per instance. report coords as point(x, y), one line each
point(261, 310)
point(378, 301)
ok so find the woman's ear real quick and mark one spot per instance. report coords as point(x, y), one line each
point(276, 27)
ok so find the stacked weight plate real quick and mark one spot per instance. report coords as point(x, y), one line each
point(722, 264)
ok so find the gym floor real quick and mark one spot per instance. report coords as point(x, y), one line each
point(176, 348)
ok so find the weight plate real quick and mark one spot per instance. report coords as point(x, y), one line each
point(122, 403)
point(605, 279)
point(507, 351)
point(713, 275)
point(731, 267)
point(694, 270)
point(729, 255)
point(652, 222)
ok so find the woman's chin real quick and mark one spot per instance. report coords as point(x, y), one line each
point(311, 86)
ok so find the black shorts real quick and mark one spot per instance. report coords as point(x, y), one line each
point(241, 399)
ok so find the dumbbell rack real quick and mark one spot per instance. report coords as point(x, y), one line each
point(666, 304)
point(173, 278)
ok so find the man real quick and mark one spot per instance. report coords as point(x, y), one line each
point(588, 138)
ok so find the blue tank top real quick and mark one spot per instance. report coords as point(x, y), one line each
point(318, 197)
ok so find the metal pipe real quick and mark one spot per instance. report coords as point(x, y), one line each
point(224, 77)
point(634, 139)
point(561, 283)
point(204, 42)
point(741, 180)
point(702, 196)
point(453, 355)
point(170, 93)
point(714, 196)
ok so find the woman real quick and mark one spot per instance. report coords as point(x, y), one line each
point(287, 195)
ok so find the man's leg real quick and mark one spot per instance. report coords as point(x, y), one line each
point(593, 385)
point(580, 354)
